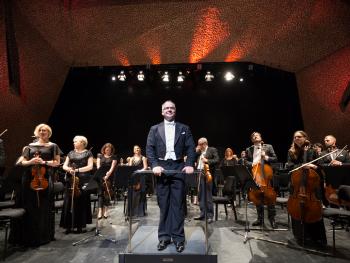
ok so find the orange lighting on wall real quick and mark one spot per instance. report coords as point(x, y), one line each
point(122, 58)
point(209, 33)
point(245, 44)
point(150, 42)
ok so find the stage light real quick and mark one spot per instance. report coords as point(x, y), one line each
point(180, 77)
point(229, 76)
point(122, 76)
point(165, 77)
point(209, 77)
point(141, 76)
point(113, 78)
point(241, 79)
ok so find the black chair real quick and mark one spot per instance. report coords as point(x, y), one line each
point(228, 197)
point(339, 216)
point(281, 183)
point(7, 214)
point(58, 190)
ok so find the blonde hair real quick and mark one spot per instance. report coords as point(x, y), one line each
point(82, 139)
point(40, 126)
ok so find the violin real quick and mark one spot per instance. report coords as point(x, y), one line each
point(74, 185)
point(207, 173)
point(39, 182)
point(303, 205)
point(264, 194)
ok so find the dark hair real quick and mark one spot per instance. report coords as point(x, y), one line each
point(107, 145)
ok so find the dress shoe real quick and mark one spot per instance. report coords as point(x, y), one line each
point(273, 223)
point(163, 244)
point(257, 223)
point(180, 246)
point(199, 218)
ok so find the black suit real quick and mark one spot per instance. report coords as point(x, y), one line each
point(268, 149)
point(170, 188)
point(343, 157)
point(213, 159)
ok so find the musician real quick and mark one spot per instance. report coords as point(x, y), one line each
point(139, 190)
point(313, 232)
point(36, 197)
point(230, 159)
point(338, 157)
point(243, 159)
point(79, 163)
point(318, 147)
point(206, 155)
point(167, 144)
point(255, 153)
point(108, 161)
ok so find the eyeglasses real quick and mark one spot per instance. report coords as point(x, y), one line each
point(298, 136)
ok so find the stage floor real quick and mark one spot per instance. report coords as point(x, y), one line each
point(224, 242)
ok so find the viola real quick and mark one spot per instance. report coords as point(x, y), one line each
point(39, 182)
point(264, 194)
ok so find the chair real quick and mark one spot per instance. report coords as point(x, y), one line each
point(339, 215)
point(58, 189)
point(281, 182)
point(7, 214)
point(227, 198)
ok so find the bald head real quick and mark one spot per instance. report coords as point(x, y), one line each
point(330, 141)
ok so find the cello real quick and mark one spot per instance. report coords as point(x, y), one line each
point(303, 205)
point(264, 194)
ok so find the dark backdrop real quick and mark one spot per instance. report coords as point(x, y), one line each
point(93, 105)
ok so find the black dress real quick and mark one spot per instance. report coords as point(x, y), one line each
point(81, 207)
point(139, 192)
point(314, 233)
point(106, 163)
point(38, 224)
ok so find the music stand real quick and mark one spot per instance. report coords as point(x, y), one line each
point(337, 175)
point(92, 185)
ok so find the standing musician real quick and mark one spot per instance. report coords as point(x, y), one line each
point(167, 144)
point(36, 195)
point(337, 158)
point(108, 161)
point(257, 153)
point(206, 155)
point(139, 189)
point(300, 152)
point(76, 205)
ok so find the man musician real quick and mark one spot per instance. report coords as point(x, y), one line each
point(255, 154)
point(337, 158)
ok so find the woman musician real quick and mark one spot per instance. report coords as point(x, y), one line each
point(76, 205)
point(106, 161)
point(312, 232)
point(36, 197)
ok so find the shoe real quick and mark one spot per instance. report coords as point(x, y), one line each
point(199, 218)
point(99, 218)
point(68, 230)
point(210, 220)
point(273, 223)
point(257, 222)
point(163, 244)
point(180, 246)
point(105, 217)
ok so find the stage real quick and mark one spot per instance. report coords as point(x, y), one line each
point(228, 245)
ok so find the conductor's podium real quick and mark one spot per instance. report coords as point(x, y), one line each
point(144, 248)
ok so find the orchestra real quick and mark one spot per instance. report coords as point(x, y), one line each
point(310, 190)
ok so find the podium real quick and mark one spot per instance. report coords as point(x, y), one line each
point(142, 246)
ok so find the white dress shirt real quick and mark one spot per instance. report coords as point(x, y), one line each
point(169, 140)
point(257, 154)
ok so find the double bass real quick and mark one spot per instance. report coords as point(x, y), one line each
point(264, 194)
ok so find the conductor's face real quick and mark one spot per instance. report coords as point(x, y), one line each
point(169, 111)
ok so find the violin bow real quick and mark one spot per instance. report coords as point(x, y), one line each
point(319, 158)
point(3, 132)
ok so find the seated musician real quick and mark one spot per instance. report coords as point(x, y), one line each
point(337, 158)
point(243, 159)
point(318, 147)
point(230, 159)
point(255, 154)
point(299, 153)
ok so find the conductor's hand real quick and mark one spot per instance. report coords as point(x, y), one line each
point(157, 170)
point(188, 169)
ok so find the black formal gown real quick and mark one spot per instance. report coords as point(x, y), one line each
point(38, 224)
point(81, 204)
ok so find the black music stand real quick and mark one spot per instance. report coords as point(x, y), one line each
point(92, 185)
point(337, 175)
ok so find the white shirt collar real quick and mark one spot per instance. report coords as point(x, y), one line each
point(169, 122)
